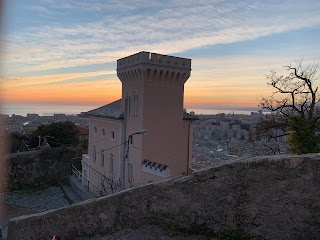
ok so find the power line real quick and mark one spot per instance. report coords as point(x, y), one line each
point(103, 150)
point(155, 154)
point(97, 141)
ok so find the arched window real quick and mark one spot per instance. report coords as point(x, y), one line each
point(128, 104)
point(94, 153)
point(112, 134)
point(102, 157)
point(111, 162)
point(135, 104)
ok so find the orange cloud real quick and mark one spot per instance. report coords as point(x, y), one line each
point(85, 93)
point(230, 82)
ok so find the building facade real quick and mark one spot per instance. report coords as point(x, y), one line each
point(152, 99)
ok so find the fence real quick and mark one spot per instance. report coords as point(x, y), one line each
point(108, 185)
point(86, 183)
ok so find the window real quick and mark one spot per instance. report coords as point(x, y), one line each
point(112, 134)
point(130, 140)
point(111, 162)
point(128, 104)
point(156, 168)
point(94, 153)
point(95, 130)
point(102, 157)
point(135, 104)
point(103, 132)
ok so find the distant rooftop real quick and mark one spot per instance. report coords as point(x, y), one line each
point(34, 123)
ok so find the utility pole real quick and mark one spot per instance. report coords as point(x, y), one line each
point(123, 177)
point(125, 149)
point(39, 140)
point(23, 144)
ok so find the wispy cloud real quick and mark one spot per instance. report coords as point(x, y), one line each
point(53, 79)
point(166, 28)
point(39, 9)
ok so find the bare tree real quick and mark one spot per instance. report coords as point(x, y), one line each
point(296, 101)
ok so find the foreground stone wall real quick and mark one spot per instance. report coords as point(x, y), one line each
point(41, 167)
point(272, 197)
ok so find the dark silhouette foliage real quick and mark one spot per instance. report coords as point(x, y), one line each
point(295, 101)
point(57, 134)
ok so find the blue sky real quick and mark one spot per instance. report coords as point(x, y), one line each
point(71, 46)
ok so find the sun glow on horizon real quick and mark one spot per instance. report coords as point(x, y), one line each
point(54, 55)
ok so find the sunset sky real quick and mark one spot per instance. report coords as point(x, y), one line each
point(65, 51)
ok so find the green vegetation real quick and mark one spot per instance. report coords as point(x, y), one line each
point(58, 134)
point(18, 142)
point(302, 138)
point(51, 135)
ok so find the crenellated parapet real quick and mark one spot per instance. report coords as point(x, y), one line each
point(154, 67)
point(154, 58)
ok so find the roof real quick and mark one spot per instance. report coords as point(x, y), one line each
point(188, 116)
point(113, 110)
point(34, 123)
point(83, 130)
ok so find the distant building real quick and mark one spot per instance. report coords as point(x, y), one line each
point(30, 127)
point(152, 99)
point(32, 115)
point(59, 115)
point(83, 133)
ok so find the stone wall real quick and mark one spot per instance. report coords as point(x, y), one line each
point(41, 167)
point(271, 197)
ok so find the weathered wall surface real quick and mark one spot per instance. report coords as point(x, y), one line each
point(47, 166)
point(265, 197)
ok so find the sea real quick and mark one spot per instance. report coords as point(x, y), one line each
point(72, 109)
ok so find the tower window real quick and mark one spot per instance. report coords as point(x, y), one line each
point(135, 104)
point(128, 104)
point(103, 132)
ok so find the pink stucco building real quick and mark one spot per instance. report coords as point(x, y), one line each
point(152, 91)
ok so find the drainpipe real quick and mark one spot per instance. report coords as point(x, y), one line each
point(123, 177)
point(188, 148)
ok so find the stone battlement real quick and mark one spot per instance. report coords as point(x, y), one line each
point(153, 58)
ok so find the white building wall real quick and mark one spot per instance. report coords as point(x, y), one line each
point(104, 137)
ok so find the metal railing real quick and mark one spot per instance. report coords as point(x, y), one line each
point(109, 185)
point(86, 183)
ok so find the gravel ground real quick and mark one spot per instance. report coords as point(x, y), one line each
point(18, 203)
point(38, 201)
